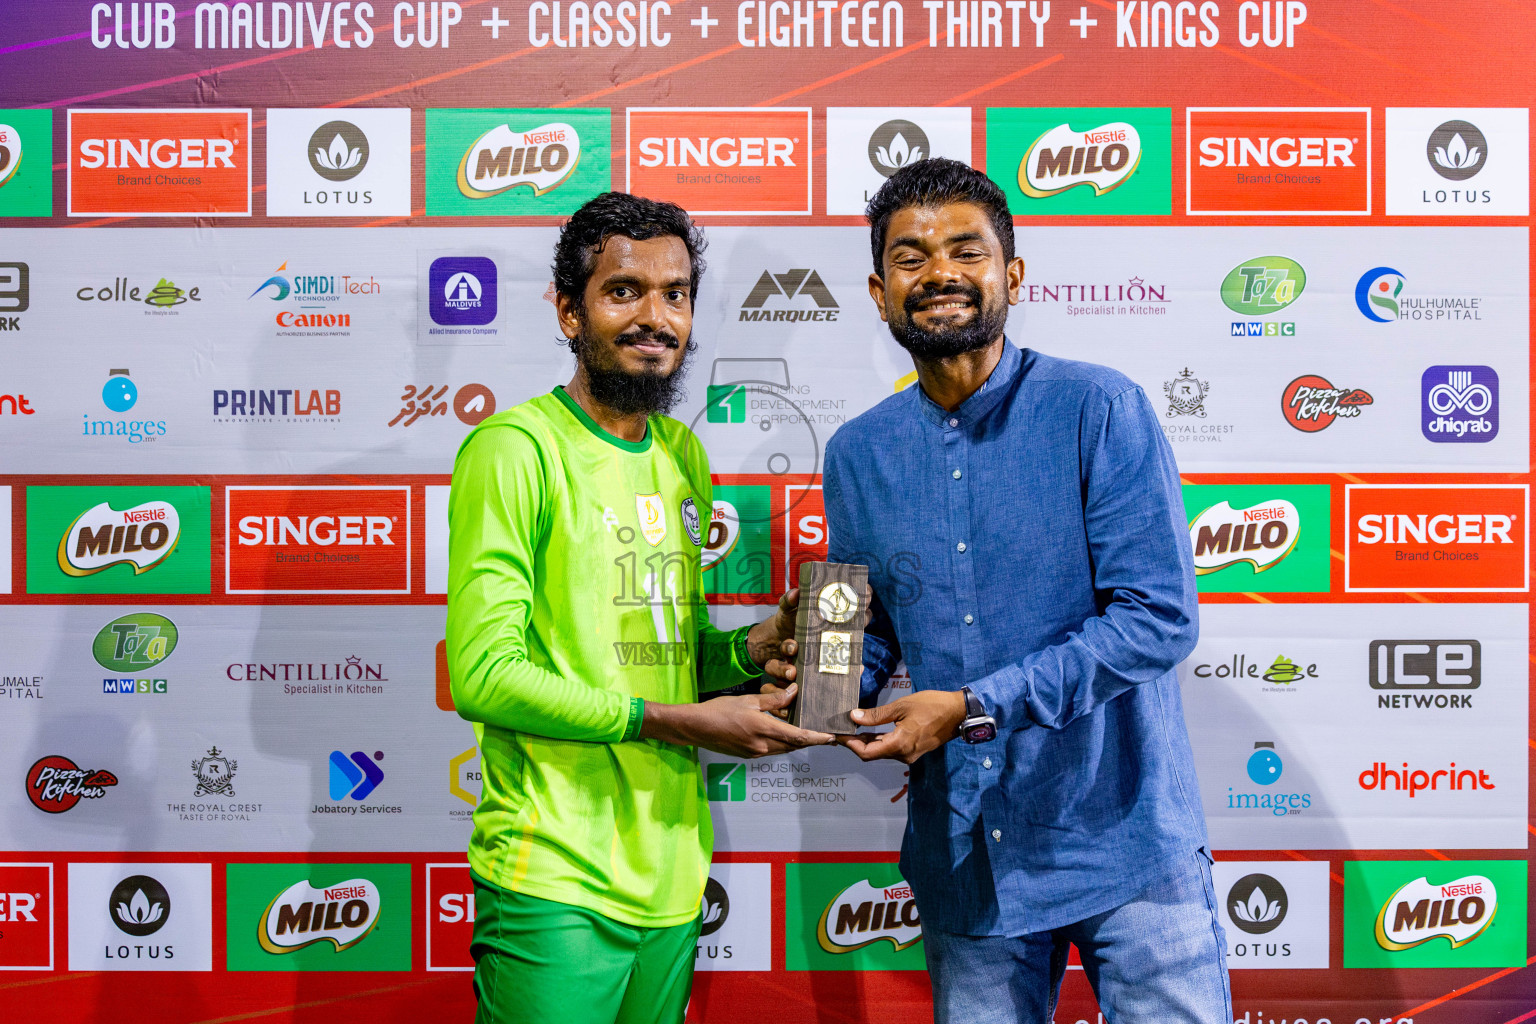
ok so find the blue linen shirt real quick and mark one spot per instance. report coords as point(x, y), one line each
point(1032, 545)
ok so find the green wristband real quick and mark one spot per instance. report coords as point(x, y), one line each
point(636, 716)
point(743, 656)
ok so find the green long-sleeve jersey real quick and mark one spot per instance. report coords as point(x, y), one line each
point(575, 586)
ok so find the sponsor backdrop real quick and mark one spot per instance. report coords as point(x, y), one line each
point(263, 266)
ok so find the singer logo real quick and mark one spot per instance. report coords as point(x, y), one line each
point(1279, 160)
point(542, 159)
point(160, 163)
point(863, 914)
point(302, 915)
point(1260, 536)
point(450, 917)
point(736, 160)
point(318, 540)
point(142, 536)
point(1458, 911)
point(1436, 537)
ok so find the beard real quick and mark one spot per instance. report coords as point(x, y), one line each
point(948, 340)
point(650, 391)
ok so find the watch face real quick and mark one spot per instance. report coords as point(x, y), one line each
point(982, 733)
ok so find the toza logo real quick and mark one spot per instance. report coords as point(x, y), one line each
point(1257, 903)
point(863, 914)
point(1458, 911)
point(1261, 535)
point(1456, 150)
point(135, 642)
point(1263, 285)
point(101, 537)
point(542, 159)
point(338, 151)
point(302, 915)
point(1102, 158)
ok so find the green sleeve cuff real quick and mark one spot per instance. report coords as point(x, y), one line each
point(636, 716)
point(741, 657)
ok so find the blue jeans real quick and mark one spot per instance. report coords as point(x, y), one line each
point(1159, 959)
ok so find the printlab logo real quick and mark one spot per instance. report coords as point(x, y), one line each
point(715, 908)
point(1456, 150)
point(356, 776)
point(338, 151)
point(1257, 904)
point(139, 905)
point(1260, 287)
point(1186, 395)
point(215, 774)
point(1460, 404)
point(1310, 403)
point(789, 287)
point(56, 784)
point(897, 144)
point(462, 291)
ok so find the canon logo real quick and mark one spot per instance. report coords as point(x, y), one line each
point(164, 153)
point(1281, 151)
point(674, 151)
point(322, 531)
point(1392, 528)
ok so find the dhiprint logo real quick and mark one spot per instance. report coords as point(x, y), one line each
point(1457, 150)
point(139, 905)
point(897, 144)
point(1377, 293)
point(1257, 904)
point(462, 291)
point(1460, 404)
point(338, 151)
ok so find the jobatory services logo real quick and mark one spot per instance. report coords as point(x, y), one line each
point(333, 162)
point(15, 294)
point(1436, 537)
point(516, 162)
point(119, 395)
point(1435, 913)
point(1460, 404)
point(1275, 913)
point(1425, 674)
point(318, 917)
point(1263, 286)
point(1463, 162)
point(1082, 160)
point(1251, 538)
point(140, 917)
point(1277, 160)
point(26, 916)
point(55, 784)
point(1310, 403)
point(185, 162)
point(354, 776)
point(843, 917)
point(317, 540)
point(26, 163)
point(866, 145)
point(751, 161)
point(118, 540)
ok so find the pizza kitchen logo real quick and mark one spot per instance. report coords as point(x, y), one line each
point(142, 536)
point(1261, 535)
point(1102, 158)
point(863, 914)
point(55, 784)
point(1310, 403)
point(301, 915)
point(159, 163)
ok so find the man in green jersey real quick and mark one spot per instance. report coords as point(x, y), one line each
point(579, 642)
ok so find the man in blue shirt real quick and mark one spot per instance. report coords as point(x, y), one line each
point(1025, 536)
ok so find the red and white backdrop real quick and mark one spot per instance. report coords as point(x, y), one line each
point(263, 265)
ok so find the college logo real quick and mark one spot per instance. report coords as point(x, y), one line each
point(1186, 395)
point(516, 162)
point(1282, 671)
point(1261, 535)
point(1460, 404)
point(1436, 537)
point(143, 536)
point(863, 914)
point(56, 784)
point(1396, 911)
point(1260, 287)
point(26, 917)
point(1459, 162)
point(1310, 403)
point(721, 160)
point(331, 917)
point(866, 145)
point(787, 288)
point(319, 165)
point(1280, 160)
point(1082, 160)
point(162, 298)
point(461, 291)
point(318, 540)
point(159, 163)
point(26, 163)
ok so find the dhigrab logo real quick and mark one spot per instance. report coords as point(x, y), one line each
point(1459, 404)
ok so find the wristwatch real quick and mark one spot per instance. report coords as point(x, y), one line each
point(978, 727)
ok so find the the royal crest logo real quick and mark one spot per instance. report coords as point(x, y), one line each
point(1186, 395)
point(653, 517)
point(1261, 535)
point(542, 158)
point(1457, 911)
point(101, 537)
point(215, 774)
point(863, 914)
point(302, 915)
point(56, 784)
point(1102, 158)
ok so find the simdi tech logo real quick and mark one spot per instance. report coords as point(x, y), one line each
point(1436, 537)
point(317, 540)
point(1255, 538)
point(1435, 913)
point(1277, 160)
point(191, 162)
point(318, 917)
point(333, 162)
point(26, 163)
point(1082, 160)
point(1458, 161)
point(516, 162)
point(118, 540)
point(721, 160)
point(850, 917)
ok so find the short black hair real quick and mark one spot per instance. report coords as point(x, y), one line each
point(937, 181)
point(619, 213)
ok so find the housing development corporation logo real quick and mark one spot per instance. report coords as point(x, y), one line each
point(1278, 160)
point(732, 160)
point(1435, 913)
point(1073, 160)
point(1460, 404)
point(55, 784)
point(159, 163)
point(320, 164)
point(317, 540)
point(319, 917)
point(1457, 161)
point(1263, 286)
point(1310, 403)
point(516, 161)
point(1249, 538)
point(1436, 537)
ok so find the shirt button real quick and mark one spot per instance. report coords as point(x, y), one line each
point(987, 763)
point(997, 834)
point(954, 422)
point(969, 620)
point(960, 547)
point(956, 474)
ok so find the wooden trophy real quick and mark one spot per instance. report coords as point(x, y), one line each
point(829, 629)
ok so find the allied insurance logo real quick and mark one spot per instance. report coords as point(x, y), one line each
point(1075, 160)
point(188, 162)
point(317, 540)
point(721, 160)
point(1278, 160)
point(1436, 537)
point(516, 162)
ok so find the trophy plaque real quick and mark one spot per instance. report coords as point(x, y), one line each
point(829, 631)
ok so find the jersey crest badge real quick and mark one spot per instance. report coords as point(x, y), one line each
point(653, 517)
point(690, 514)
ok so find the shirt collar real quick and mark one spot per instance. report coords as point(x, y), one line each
point(983, 399)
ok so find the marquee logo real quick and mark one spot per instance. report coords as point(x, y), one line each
point(1278, 160)
point(317, 540)
point(786, 288)
point(159, 163)
point(1101, 158)
point(735, 160)
point(1460, 404)
point(302, 915)
point(1436, 537)
point(542, 159)
point(1261, 535)
point(1458, 911)
point(1310, 403)
point(863, 914)
point(56, 784)
point(142, 536)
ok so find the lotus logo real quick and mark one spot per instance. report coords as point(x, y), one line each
point(1103, 158)
point(302, 915)
point(10, 152)
point(501, 159)
point(716, 907)
point(863, 914)
point(1261, 535)
point(1457, 911)
point(1377, 293)
point(1257, 904)
point(338, 151)
point(1457, 150)
point(897, 144)
point(101, 537)
point(139, 905)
